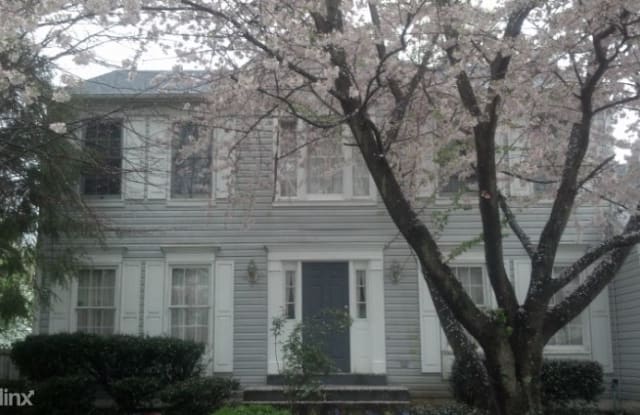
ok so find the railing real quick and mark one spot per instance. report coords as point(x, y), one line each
point(7, 370)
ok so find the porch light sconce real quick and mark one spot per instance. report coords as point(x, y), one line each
point(252, 272)
point(396, 270)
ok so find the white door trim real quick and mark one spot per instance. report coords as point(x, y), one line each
point(367, 336)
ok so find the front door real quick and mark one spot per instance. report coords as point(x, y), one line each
point(325, 286)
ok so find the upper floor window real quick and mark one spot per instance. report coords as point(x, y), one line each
point(191, 161)
point(95, 306)
point(103, 141)
point(322, 167)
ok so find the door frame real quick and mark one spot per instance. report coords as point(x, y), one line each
point(367, 336)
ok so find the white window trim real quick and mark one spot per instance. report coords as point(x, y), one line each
point(104, 200)
point(185, 257)
point(200, 201)
point(585, 347)
point(304, 198)
point(113, 261)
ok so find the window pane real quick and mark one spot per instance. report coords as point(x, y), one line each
point(360, 173)
point(324, 166)
point(103, 141)
point(191, 161)
point(473, 283)
point(572, 333)
point(190, 292)
point(290, 293)
point(361, 293)
point(287, 158)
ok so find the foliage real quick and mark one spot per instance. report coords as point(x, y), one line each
point(251, 410)
point(108, 358)
point(197, 396)
point(468, 383)
point(39, 170)
point(563, 381)
point(64, 395)
point(134, 392)
point(304, 351)
point(132, 370)
point(457, 409)
point(567, 380)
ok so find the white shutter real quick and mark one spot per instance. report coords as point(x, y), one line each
point(601, 350)
point(522, 278)
point(130, 298)
point(59, 308)
point(135, 133)
point(223, 325)
point(517, 186)
point(429, 330)
point(223, 161)
point(159, 158)
point(153, 298)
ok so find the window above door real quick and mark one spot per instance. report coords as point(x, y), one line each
point(319, 166)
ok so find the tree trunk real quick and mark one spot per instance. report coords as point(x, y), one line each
point(514, 373)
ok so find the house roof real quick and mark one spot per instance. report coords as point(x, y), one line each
point(122, 83)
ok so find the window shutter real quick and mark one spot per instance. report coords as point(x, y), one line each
point(429, 331)
point(153, 298)
point(59, 308)
point(522, 268)
point(223, 140)
point(601, 350)
point(135, 133)
point(159, 156)
point(130, 305)
point(223, 325)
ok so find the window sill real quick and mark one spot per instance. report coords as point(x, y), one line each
point(570, 350)
point(323, 202)
point(97, 201)
point(190, 202)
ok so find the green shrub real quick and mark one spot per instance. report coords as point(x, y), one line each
point(107, 357)
point(456, 409)
point(563, 381)
point(131, 369)
point(567, 380)
point(134, 392)
point(197, 396)
point(469, 383)
point(68, 395)
point(251, 410)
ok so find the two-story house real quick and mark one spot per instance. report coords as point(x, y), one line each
point(209, 247)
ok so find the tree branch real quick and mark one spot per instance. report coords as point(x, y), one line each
point(515, 226)
point(605, 271)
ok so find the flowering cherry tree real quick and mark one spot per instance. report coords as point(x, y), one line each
point(518, 91)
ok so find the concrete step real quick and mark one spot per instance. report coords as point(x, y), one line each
point(338, 379)
point(357, 394)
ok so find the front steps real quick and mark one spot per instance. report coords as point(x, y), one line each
point(333, 395)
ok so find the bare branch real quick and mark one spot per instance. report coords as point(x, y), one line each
point(515, 226)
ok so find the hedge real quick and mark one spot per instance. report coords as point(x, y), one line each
point(563, 381)
point(136, 372)
point(108, 358)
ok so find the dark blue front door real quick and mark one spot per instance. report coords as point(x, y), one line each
point(325, 286)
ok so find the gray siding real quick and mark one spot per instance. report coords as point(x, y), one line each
point(249, 222)
point(625, 303)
